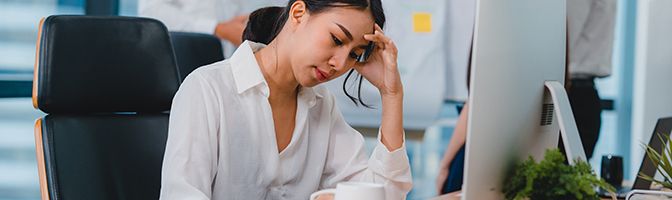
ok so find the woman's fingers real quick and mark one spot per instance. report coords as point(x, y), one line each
point(380, 39)
point(377, 36)
point(376, 39)
point(376, 27)
point(325, 197)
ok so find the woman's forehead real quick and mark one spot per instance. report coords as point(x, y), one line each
point(357, 21)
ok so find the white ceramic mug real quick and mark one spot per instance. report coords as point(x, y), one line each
point(354, 191)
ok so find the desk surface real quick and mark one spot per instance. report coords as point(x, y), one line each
point(456, 196)
point(449, 196)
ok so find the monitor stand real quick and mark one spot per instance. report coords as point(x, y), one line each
point(568, 131)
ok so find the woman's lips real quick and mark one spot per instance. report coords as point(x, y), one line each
point(321, 76)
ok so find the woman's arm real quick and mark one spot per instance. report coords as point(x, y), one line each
point(348, 160)
point(391, 128)
point(456, 142)
point(388, 164)
point(381, 71)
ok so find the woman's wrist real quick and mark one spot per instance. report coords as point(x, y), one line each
point(392, 121)
point(392, 97)
point(393, 106)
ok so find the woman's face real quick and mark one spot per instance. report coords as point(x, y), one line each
point(326, 45)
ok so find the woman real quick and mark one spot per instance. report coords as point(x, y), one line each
point(259, 126)
point(451, 168)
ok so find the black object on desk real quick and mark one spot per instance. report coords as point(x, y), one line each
point(612, 170)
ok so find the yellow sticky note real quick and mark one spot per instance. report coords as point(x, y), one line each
point(422, 22)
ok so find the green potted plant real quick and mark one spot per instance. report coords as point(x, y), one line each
point(662, 160)
point(552, 178)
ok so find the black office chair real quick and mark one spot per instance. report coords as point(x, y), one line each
point(106, 83)
point(194, 50)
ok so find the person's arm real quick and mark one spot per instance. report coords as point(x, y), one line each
point(381, 71)
point(181, 15)
point(389, 164)
point(232, 30)
point(348, 160)
point(193, 16)
point(191, 155)
point(456, 142)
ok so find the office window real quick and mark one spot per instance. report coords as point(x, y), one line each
point(19, 20)
point(128, 7)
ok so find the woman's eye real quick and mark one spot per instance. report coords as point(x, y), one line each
point(353, 55)
point(336, 40)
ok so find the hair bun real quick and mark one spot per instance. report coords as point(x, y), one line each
point(263, 25)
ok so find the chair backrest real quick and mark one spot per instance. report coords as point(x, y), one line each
point(106, 83)
point(194, 50)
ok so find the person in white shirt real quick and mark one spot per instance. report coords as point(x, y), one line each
point(590, 26)
point(222, 18)
point(260, 126)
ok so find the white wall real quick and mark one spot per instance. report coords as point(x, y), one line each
point(652, 92)
point(459, 31)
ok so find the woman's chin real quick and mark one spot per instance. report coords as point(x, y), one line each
point(310, 83)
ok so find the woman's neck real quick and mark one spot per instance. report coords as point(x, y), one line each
point(277, 72)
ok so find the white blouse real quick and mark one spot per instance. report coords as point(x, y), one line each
point(221, 141)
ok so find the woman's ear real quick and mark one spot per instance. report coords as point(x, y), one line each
point(298, 12)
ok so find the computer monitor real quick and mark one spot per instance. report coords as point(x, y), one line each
point(517, 99)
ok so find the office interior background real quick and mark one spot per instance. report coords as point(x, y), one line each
point(633, 96)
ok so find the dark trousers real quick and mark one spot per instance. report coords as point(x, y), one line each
point(587, 110)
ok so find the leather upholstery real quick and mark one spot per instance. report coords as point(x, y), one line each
point(106, 83)
point(104, 156)
point(91, 64)
point(194, 50)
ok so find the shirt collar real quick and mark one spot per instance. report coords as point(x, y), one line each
point(309, 95)
point(245, 69)
point(247, 72)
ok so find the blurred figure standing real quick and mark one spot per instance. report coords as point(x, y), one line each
point(590, 44)
point(225, 19)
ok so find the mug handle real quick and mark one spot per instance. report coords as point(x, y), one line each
point(321, 192)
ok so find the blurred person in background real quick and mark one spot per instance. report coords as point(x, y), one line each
point(225, 19)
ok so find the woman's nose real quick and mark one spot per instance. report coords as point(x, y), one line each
point(340, 61)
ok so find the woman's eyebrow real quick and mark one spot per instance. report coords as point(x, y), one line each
point(345, 30)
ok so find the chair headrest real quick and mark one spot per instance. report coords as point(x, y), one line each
point(193, 50)
point(97, 64)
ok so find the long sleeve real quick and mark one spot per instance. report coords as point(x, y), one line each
point(347, 161)
point(592, 43)
point(182, 15)
point(191, 157)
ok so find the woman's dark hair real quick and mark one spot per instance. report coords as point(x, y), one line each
point(266, 23)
